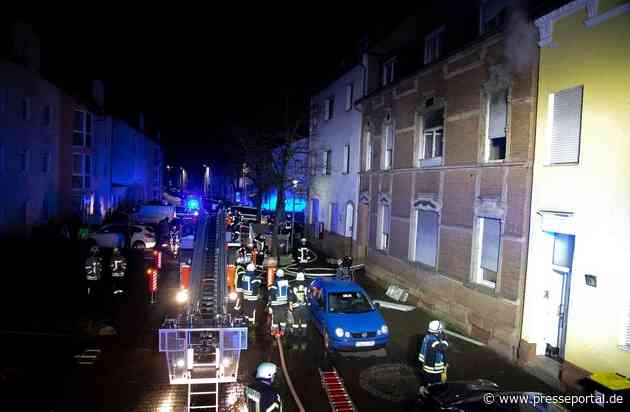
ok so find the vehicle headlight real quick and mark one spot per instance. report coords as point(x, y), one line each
point(339, 332)
point(347, 334)
point(182, 296)
point(384, 330)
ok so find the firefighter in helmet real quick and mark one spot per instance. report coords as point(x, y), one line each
point(278, 302)
point(432, 353)
point(118, 267)
point(298, 291)
point(260, 395)
point(93, 267)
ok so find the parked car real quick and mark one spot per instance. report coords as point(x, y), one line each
point(345, 316)
point(110, 236)
point(153, 213)
point(480, 395)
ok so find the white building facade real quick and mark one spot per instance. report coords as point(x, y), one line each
point(334, 164)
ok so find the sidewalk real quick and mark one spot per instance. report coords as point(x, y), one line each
point(467, 361)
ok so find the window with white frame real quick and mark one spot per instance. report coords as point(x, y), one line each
point(329, 108)
point(326, 162)
point(432, 139)
point(346, 159)
point(384, 222)
point(489, 248)
point(25, 109)
point(23, 161)
point(388, 72)
point(81, 171)
point(368, 151)
point(82, 135)
point(349, 96)
point(565, 115)
point(333, 217)
point(496, 142)
point(425, 250)
point(388, 144)
point(433, 45)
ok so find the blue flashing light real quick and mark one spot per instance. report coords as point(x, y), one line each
point(192, 203)
point(271, 199)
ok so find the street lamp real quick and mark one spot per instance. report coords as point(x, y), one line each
point(295, 184)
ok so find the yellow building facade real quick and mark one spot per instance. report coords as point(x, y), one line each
point(576, 316)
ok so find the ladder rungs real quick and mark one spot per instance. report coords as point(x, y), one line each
point(202, 393)
point(202, 407)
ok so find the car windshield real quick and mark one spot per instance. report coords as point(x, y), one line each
point(348, 302)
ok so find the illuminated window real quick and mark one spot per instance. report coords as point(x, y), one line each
point(82, 135)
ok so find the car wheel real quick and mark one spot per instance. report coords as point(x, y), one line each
point(139, 245)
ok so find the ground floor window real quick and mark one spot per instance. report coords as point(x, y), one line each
point(426, 237)
point(489, 245)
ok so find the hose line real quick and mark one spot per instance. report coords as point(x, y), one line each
point(286, 375)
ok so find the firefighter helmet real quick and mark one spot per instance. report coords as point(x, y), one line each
point(435, 326)
point(299, 277)
point(266, 370)
point(280, 273)
point(303, 240)
point(251, 267)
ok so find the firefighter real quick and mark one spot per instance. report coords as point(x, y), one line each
point(240, 272)
point(298, 291)
point(432, 356)
point(118, 266)
point(343, 268)
point(278, 301)
point(261, 397)
point(249, 284)
point(93, 267)
point(261, 245)
point(304, 255)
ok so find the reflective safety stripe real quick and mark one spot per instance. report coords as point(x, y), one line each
point(421, 357)
point(433, 370)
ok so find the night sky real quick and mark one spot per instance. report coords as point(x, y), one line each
point(196, 73)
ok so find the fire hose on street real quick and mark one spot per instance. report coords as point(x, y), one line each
point(285, 371)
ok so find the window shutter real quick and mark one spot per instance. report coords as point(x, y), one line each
point(566, 125)
point(426, 240)
point(491, 242)
point(497, 117)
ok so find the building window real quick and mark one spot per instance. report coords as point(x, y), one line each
point(82, 129)
point(25, 109)
point(496, 142)
point(384, 221)
point(23, 161)
point(81, 171)
point(565, 115)
point(326, 162)
point(329, 108)
point(47, 116)
point(489, 244)
point(388, 72)
point(432, 139)
point(46, 163)
point(368, 151)
point(346, 159)
point(433, 46)
point(426, 237)
point(349, 97)
point(333, 216)
point(388, 144)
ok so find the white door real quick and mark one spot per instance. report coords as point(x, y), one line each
point(556, 293)
point(349, 220)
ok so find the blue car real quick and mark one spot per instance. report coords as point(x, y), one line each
point(345, 316)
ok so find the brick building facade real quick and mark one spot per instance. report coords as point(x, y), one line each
point(446, 177)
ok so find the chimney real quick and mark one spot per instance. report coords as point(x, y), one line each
point(98, 93)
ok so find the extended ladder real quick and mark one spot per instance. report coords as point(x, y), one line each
point(335, 390)
point(203, 385)
point(203, 396)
